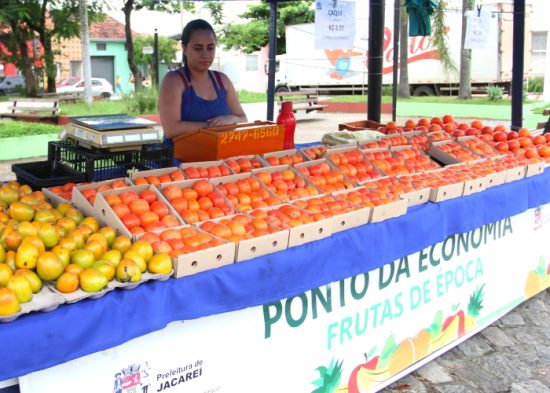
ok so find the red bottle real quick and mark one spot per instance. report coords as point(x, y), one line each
point(286, 118)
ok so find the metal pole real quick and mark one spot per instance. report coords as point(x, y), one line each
point(375, 62)
point(156, 58)
point(396, 26)
point(517, 63)
point(85, 45)
point(271, 55)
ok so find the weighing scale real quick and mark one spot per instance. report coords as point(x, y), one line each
point(112, 132)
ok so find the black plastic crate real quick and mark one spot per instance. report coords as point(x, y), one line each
point(39, 174)
point(97, 164)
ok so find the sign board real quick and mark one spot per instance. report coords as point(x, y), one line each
point(148, 50)
point(354, 335)
point(334, 24)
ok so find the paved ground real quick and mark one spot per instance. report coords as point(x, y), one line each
point(512, 355)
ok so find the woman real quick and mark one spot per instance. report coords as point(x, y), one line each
point(193, 96)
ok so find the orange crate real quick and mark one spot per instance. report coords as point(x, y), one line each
point(215, 143)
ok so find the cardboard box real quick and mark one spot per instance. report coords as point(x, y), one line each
point(258, 246)
point(204, 164)
point(417, 197)
point(286, 153)
point(214, 143)
point(495, 179)
point(444, 193)
point(474, 185)
point(202, 260)
point(535, 169)
point(381, 212)
point(153, 172)
point(182, 184)
point(82, 203)
point(109, 217)
point(308, 232)
point(360, 125)
point(55, 200)
point(516, 173)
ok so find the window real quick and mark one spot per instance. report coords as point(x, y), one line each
point(101, 46)
point(251, 62)
point(76, 68)
point(538, 51)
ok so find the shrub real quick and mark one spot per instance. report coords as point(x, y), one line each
point(535, 85)
point(142, 102)
point(495, 93)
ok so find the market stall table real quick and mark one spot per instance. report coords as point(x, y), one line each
point(41, 340)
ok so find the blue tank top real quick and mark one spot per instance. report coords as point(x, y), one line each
point(195, 108)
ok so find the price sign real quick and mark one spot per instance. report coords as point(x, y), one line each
point(334, 24)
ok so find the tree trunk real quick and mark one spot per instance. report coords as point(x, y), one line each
point(49, 64)
point(465, 88)
point(404, 90)
point(128, 7)
point(23, 61)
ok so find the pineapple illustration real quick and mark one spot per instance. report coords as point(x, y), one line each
point(329, 377)
point(474, 307)
point(538, 279)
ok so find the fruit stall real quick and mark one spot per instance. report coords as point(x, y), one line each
point(318, 268)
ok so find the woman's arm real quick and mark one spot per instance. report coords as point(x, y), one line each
point(171, 91)
point(237, 113)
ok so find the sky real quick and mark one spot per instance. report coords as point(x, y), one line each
point(146, 22)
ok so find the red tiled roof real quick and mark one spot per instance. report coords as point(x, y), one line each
point(108, 29)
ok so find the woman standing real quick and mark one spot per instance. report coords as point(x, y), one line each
point(193, 97)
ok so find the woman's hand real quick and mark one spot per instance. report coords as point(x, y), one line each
point(222, 120)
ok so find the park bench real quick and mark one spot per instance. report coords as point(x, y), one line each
point(61, 97)
point(545, 125)
point(302, 100)
point(33, 109)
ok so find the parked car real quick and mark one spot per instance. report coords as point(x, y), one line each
point(67, 81)
point(100, 87)
point(10, 84)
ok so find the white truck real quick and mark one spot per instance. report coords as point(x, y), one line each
point(330, 71)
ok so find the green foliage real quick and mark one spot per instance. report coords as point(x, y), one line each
point(247, 97)
point(495, 93)
point(253, 35)
point(141, 102)
point(167, 49)
point(216, 11)
point(387, 90)
point(440, 39)
point(10, 129)
point(535, 85)
point(329, 377)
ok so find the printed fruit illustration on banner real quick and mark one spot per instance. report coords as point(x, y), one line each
point(443, 332)
point(329, 377)
point(538, 279)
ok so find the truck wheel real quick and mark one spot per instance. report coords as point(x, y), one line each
point(106, 95)
point(423, 91)
point(2, 93)
point(282, 89)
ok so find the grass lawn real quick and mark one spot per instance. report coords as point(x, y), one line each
point(10, 129)
point(428, 100)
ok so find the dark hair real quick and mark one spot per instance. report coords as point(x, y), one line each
point(190, 28)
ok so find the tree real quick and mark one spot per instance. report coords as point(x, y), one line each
point(153, 5)
point(50, 20)
point(16, 39)
point(254, 35)
point(465, 88)
point(167, 51)
point(404, 90)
